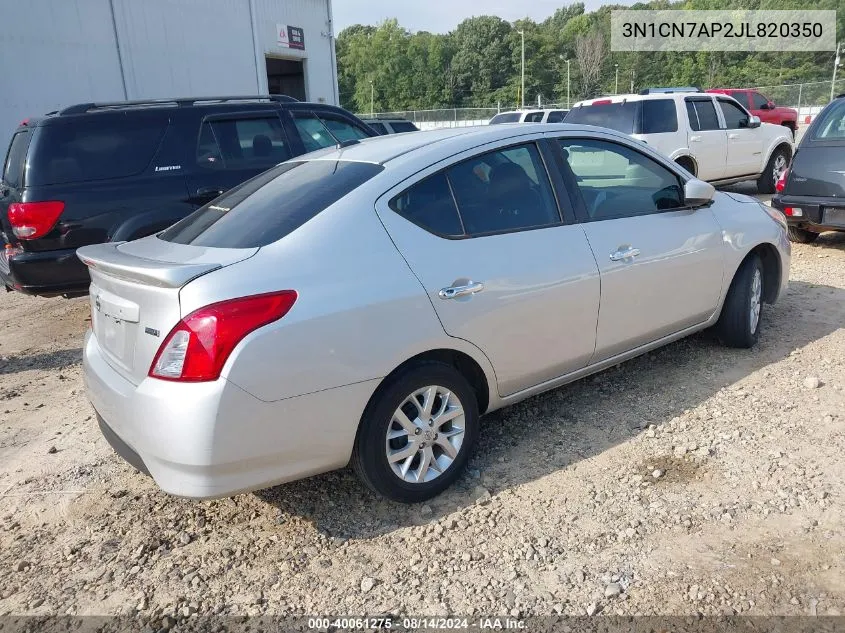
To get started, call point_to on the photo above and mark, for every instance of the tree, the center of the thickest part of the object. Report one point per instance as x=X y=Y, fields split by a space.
x=589 y=51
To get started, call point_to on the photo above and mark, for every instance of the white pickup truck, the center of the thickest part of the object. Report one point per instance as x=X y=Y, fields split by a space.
x=710 y=135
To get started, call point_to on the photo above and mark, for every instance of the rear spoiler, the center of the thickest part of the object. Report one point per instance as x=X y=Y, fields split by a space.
x=107 y=259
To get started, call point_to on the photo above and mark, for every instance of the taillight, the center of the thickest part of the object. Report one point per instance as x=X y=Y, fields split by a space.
x=198 y=347
x=31 y=220
x=780 y=185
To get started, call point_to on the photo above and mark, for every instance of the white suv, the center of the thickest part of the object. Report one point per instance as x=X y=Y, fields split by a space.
x=710 y=135
x=549 y=115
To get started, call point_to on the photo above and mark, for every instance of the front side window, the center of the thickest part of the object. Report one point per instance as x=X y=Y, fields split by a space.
x=404 y=126
x=271 y=205
x=735 y=117
x=313 y=133
x=758 y=101
x=341 y=129
x=505 y=117
x=495 y=192
x=616 y=181
x=378 y=128
x=242 y=143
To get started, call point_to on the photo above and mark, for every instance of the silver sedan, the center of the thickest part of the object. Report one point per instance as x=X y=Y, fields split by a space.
x=365 y=304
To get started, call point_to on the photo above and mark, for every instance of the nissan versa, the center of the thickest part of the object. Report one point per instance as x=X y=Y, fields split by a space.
x=368 y=302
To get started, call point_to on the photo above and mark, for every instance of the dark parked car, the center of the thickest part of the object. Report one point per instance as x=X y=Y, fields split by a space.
x=108 y=172
x=811 y=193
x=392 y=126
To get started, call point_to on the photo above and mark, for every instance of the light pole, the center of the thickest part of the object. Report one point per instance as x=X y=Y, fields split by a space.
x=567 y=80
x=372 y=96
x=616 y=89
x=633 y=76
x=835 y=66
x=522 y=33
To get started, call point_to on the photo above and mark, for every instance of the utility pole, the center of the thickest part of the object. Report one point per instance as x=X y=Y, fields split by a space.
x=372 y=96
x=567 y=80
x=616 y=89
x=522 y=97
x=835 y=66
x=633 y=76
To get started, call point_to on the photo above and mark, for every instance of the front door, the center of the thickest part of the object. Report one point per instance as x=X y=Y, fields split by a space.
x=706 y=139
x=745 y=145
x=503 y=271
x=660 y=263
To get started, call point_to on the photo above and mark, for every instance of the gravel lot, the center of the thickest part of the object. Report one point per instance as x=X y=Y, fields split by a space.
x=695 y=479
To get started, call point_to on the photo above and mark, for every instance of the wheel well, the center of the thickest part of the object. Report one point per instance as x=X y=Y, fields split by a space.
x=768 y=255
x=688 y=163
x=788 y=152
x=790 y=124
x=464 y=363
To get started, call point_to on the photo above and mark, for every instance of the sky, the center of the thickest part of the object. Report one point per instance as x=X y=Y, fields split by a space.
x=441 y=16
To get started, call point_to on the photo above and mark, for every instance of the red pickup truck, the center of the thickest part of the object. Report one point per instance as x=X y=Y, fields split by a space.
x=763 y=107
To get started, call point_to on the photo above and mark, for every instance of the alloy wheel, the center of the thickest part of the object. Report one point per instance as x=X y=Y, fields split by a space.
x=756 y=297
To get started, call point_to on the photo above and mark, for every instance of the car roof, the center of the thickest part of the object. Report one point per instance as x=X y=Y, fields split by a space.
x=383 y=149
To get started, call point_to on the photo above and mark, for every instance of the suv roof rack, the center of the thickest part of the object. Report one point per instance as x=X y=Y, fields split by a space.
x=651 y=91
x=81 y=108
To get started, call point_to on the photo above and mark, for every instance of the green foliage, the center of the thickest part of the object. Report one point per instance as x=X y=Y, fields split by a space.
x=479 y=63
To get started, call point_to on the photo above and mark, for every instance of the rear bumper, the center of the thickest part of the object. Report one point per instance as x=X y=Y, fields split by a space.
x=817 y=213
x=209 y=440
x=46 y=273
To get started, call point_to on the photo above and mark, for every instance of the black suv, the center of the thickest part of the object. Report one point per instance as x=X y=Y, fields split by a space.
x=109 y=172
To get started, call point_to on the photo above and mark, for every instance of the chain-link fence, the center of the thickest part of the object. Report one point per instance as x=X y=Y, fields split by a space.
x=808 y=98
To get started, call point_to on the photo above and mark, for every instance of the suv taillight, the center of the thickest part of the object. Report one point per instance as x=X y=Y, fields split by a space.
x=31 y=220
x=780 y=185
x=198 y=347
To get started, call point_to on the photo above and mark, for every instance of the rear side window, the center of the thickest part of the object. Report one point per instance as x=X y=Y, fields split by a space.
x=507 y=117
x=659 y=116
x=830 y=126
x=242 y=143
x=13 y=167
x=702 y=115
x=271 y=205
x=534 y=117
x=403 y=126
x=556 y=116
x=504 y=190
x=96 y=148
x=616 y=116
x=378 y=128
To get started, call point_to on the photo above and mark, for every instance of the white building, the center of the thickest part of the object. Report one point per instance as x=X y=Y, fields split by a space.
x=54 y=53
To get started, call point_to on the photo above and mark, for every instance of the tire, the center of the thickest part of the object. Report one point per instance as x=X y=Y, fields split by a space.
x=687 y=164
x=778 y=161
x=801 y=236
x=406 y=391
x=736 y=326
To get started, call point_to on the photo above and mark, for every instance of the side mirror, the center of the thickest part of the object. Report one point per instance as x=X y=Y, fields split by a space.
x=698 y=193
x=770 y=105
x=753 y=122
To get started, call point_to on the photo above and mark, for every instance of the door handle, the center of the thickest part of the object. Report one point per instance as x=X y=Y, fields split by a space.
x=453 y=292
x=624 y=252
x=733 y=137
x=694 y=139
x=209 y=192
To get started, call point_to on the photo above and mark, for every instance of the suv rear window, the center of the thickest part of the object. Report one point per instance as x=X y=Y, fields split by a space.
x=16 y=159
x=616 y=116
x=94 y=149
x=271 y=205
x=831 y=125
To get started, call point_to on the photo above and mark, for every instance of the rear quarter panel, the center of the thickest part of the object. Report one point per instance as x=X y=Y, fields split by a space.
x=359 y=315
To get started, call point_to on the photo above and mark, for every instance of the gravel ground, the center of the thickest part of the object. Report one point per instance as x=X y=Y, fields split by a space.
x=695 y=479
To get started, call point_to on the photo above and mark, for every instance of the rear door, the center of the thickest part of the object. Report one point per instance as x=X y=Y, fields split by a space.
x=660 y=263
x=707 y=139
x=232 y=148
x=745 y=145
x=485 y=238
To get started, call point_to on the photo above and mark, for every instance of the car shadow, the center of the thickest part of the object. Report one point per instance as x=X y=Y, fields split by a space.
x=43 y=360
x=555 y=430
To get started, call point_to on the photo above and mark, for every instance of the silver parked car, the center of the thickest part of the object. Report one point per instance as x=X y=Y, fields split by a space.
x=367 y=303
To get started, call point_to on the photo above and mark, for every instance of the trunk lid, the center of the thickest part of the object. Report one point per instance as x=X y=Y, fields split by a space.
x=134 y=294
x=818 y=169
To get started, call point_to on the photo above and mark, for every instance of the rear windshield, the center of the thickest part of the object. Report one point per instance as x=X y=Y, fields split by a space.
x=616 y=116
x=16 y=159
x=508 y=117
x=271 y=205
x=831 y=124
x=97 y=148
